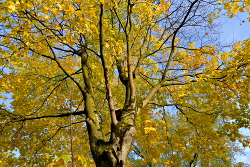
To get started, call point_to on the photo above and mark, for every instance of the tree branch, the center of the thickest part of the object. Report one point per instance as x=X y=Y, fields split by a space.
x=52 y=116
x=173 y=40
x=64 y=71
x=105 y=70
x=129 y=59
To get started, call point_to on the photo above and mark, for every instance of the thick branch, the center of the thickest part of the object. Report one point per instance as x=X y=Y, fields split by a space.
x=85 y=72
x=122 y=74
x=129 y=61
x=105 y=69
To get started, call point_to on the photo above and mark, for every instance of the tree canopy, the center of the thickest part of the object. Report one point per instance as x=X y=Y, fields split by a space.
x=120 y=82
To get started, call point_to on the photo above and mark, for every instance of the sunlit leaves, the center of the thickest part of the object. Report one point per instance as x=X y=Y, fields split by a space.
x=234 y=7
x=201 y=99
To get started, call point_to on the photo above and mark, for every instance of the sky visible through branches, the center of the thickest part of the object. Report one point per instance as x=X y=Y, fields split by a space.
x=232 y=30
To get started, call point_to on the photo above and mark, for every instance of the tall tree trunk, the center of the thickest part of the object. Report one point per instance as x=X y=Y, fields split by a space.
x=114 y=153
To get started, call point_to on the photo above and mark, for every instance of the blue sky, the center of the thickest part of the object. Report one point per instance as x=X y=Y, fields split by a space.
x=234 y=29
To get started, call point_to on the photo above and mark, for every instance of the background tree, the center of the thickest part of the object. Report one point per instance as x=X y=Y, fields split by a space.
x=71 y=66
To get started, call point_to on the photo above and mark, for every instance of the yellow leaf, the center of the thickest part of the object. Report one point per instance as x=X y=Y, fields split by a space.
x=148 y=121
x=241 y=10
x=149 y=129
x=46 y=17
x=167 y=6
x=47 y=156
x=230 y=15
x=12 y=7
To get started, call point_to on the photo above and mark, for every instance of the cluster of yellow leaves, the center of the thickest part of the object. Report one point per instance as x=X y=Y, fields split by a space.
x=234 y=7
x=227 y=77
x=66 y=161
x=172 y=141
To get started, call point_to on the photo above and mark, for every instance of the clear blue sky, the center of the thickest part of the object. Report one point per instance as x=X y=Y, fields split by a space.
x=234 y=29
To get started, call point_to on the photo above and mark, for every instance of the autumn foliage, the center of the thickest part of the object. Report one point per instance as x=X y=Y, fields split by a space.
x=120 y=82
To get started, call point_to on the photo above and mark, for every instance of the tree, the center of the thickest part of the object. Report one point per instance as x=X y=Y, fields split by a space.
x=72 y=67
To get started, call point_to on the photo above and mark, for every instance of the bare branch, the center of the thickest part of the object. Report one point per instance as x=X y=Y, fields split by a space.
x=173 y=40
x=50 y=116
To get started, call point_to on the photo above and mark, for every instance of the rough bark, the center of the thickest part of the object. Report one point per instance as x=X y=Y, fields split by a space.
x=114 y=153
